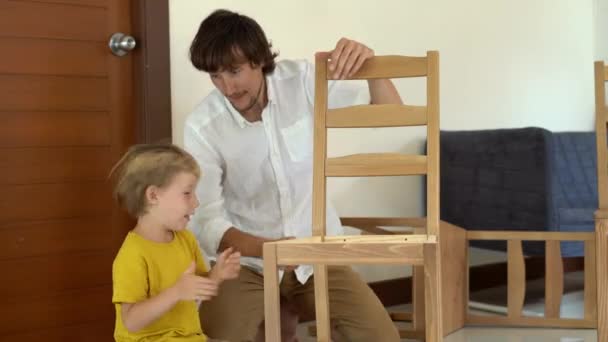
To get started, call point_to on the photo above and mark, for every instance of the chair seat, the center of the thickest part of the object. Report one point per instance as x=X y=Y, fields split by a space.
x=363 y=239
x=356 y=249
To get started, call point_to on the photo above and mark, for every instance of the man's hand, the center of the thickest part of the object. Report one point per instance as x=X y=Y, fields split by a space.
x=193 y=287
x=347 y=58
x=227 y=266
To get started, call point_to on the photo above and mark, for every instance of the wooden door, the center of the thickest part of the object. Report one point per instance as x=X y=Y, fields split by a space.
x=66 y=115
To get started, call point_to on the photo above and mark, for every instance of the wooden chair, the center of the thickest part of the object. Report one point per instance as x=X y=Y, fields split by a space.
x=601 y=215
x=422 y=250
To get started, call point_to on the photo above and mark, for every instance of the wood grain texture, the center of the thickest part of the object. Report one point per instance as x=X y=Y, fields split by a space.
x=36 y=19
x=52 y=128
x=53 y=93
x=53 y=57
x=528 y=236
x=601 y=229
x=554 y=279
x=20 y=166
x=590 y=285
x=376 y=164
x=385 y=115
x=516 y=287
x=390 y=67
x=272 y=303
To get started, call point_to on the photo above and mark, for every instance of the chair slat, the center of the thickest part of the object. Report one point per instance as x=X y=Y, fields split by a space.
x=271 y=293
x=601 y=118
x=321 y=302
x=375 y=164
x=532 y=322
x=554 y=279
x=590 y=291
x=516 y=279
x=387 y=115
x=348 y=253
x=389 y=67
x=504 y=234
x=384 y=221
x=601 y=255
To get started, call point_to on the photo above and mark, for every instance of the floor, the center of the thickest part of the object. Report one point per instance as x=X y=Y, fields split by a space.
x=572 y=307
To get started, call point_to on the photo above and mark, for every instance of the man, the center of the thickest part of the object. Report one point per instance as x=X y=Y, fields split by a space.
x=253 y=139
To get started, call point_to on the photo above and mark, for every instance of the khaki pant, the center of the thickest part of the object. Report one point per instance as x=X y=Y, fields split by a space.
x=355 y=311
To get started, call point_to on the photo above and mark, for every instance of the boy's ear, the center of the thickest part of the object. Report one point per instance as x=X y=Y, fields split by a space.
x=152 y=192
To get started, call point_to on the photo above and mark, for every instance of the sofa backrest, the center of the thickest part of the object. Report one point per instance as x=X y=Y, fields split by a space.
x=517 y=179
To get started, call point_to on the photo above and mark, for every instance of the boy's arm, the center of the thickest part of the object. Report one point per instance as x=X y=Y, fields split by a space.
x=136 y=316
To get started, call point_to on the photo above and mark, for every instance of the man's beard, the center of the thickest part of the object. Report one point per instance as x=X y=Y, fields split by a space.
x=254 y=100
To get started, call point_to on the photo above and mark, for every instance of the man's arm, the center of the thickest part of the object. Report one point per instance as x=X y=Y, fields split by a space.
x=246 y=243
x=383 y=91
x=249 y=245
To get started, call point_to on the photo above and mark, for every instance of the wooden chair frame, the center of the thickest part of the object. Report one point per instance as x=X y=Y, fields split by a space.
x=320 y=250
x=447 y=257
x=455 y=291
x=601 y=215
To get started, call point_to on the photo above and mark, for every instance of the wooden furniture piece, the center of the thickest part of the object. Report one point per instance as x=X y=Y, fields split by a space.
x=440 y=289
x=320 y=250
x=595 y=256
x=601 y=215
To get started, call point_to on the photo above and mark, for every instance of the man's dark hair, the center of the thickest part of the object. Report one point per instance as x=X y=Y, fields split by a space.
x=226 y=38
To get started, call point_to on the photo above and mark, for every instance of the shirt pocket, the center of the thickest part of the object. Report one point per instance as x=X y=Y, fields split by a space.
x=298 y=139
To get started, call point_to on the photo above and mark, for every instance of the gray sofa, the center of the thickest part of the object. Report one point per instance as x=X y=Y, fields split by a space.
x=519 y=179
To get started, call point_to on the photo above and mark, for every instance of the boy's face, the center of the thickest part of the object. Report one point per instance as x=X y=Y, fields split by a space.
x=241 y=84
x=177 y=201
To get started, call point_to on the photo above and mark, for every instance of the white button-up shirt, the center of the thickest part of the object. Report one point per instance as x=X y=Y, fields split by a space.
x=257 y=177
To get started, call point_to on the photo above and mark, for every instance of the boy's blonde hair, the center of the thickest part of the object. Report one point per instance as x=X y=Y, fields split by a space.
x=148 y=165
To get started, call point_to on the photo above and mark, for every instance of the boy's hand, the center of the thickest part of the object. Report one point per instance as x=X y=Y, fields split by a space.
x=193 y=287
x=227 y=266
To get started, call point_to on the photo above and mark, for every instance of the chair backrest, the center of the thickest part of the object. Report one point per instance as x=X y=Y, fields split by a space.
x=386 y=115
x=601 y=119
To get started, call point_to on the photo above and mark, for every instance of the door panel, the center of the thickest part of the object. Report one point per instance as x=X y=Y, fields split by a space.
x=42 y=238
x=53 y=93
x=30 y=19
x=54 y=165
x=52 y=128
x=92 y=270
x=66 y=116
x=52 y=57
x=90 y=332
x=54 y=201
x=42 y=312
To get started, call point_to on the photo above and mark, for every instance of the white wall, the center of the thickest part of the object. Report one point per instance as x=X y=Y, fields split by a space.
x=504 y=63
x=601 y=29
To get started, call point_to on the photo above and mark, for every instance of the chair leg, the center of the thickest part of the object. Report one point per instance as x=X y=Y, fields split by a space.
x=272 y=302
x=322 y=303
x=418 y=294
x=418 y=298
x=432 y=294
x=601 y=240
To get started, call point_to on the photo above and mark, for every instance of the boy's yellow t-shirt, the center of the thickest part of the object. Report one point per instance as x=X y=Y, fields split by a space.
x=141 y=270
